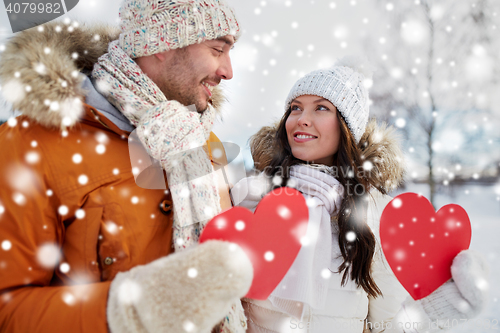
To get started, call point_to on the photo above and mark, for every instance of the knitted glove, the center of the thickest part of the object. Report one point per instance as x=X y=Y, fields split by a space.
x=462 y=297
x=189 y=291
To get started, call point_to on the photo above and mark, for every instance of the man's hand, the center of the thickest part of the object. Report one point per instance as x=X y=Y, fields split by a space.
x=185 y=292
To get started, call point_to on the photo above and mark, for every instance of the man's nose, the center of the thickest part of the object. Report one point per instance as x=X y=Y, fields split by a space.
x=225 y=70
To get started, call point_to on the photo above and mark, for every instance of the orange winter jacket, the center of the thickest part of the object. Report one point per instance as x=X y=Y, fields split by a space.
x=71 y=218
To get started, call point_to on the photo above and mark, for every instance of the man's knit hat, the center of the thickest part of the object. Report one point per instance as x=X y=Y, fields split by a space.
x=344 y=86
x=153 y=26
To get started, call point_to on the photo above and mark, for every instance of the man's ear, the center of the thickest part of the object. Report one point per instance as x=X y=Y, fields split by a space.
x=161 y=56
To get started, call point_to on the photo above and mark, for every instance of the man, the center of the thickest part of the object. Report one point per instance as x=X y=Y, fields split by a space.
x=83 y=248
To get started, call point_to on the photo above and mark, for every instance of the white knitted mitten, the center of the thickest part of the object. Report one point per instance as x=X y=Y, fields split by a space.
x=462 y=297
x=189 y=291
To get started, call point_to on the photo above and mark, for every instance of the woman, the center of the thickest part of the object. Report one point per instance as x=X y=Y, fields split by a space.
x=339 y=281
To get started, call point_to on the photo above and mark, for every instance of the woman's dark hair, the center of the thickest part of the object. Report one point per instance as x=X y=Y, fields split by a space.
x=357 y=254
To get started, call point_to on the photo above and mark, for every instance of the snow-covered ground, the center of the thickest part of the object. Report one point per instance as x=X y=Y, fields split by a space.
x=483 y=207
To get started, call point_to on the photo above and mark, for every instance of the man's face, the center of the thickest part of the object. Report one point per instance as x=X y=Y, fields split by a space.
x=190 y=73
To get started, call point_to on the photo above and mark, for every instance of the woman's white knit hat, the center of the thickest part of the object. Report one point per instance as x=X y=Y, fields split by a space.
x=153 y=26
x=344 y=86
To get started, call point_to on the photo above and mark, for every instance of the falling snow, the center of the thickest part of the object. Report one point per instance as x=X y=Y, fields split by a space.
x=6 y=245
x=269 y=256
x=48 y=255
x=192 y=273
x=284 y=212
x=239 y=225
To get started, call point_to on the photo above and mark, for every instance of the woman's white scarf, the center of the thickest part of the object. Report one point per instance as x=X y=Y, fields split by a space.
x=307 y=279
x=309 y=276
x=170 y=133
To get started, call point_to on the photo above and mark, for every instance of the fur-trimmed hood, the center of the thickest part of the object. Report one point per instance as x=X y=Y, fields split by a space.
x=379 y=144
x=42 y=70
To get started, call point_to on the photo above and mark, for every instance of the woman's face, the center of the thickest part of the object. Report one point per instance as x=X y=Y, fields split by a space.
x=313 y=129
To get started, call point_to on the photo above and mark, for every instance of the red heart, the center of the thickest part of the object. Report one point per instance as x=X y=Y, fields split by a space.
x=270 y=237
x=420 y=244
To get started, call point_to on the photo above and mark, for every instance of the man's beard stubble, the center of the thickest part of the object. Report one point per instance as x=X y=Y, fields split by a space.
x=179 y=82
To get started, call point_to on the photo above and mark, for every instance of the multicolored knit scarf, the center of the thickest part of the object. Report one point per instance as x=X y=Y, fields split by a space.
x=170 y=133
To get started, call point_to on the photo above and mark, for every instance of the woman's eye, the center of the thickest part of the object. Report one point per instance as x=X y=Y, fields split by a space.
x=295 y=108
x=323 y=108
x=220 y=51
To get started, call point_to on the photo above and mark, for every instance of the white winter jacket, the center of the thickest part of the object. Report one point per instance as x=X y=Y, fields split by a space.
x=348 y=308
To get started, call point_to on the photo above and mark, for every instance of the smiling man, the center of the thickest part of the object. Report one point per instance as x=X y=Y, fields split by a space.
x=189 y=74
x=84 y=249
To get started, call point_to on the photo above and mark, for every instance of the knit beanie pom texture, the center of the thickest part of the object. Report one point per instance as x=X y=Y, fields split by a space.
x=153 y=26
x=344 y=86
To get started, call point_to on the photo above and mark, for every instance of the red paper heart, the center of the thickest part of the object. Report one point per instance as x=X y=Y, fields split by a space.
x=270 y=237
x=420 y=244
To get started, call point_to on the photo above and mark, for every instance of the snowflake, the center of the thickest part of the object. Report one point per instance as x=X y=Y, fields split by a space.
x=129 y=292
x=69 y=298
x=32 y=157
x=111 y=227
x=269 y=256
x=284 y=212
x=192 y=273
x=40 y=68
x=397 y=203
x=63 y=210
x=209 y=211
x=188 y=326
x=77 y=158
x=401 y=122
x=19 y=198
x=13 y=91
x=83 y=179
x=326 y=273
x=48 y=255
x=367 y=165
x=277 y=180
x=220 y=223
x=399 y=255
x=305 y=241
x=100 y=149
x=64 y=267
x=6 y=245
x=350 y=236
x=80 y=214
x=239 y=225
x=217 y=153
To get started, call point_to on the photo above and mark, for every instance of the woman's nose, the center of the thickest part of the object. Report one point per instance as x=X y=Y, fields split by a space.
x=304 y=120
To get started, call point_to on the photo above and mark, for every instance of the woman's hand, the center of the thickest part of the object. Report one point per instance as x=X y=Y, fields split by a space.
x=464 y=296
x=456 y=301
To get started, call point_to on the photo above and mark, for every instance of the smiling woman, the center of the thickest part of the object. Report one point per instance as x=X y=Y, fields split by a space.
x=313 y=130
x=339 y=282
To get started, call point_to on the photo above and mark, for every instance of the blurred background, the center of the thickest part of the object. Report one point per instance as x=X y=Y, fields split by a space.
x=436 y=79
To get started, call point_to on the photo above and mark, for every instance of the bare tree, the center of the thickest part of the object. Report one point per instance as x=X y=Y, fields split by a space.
x=437 y=71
